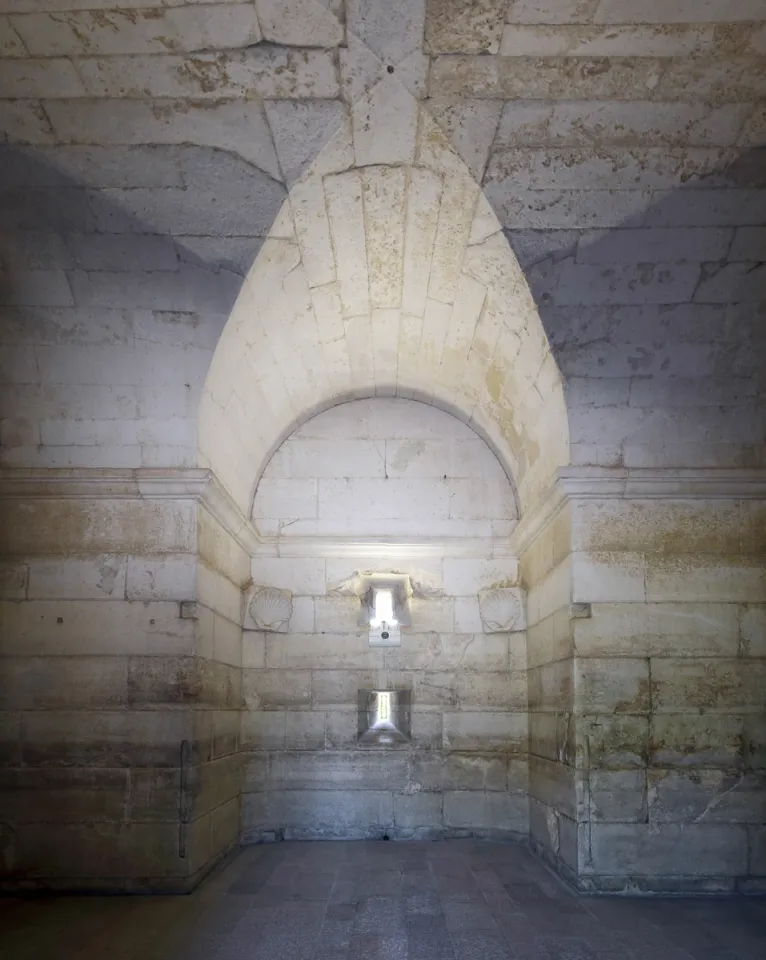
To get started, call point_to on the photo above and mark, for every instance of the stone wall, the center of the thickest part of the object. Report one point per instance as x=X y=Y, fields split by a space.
x=119 y=707
x=546 y=572
x=344 y=482
x=670 y=673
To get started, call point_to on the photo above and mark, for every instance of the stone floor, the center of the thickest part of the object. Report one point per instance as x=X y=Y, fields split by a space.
x=458 y=900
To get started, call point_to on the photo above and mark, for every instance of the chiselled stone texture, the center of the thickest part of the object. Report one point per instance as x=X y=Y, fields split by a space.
x=120 y=717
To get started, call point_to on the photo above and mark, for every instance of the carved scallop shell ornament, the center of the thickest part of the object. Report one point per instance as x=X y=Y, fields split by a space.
x=501 y=610
x=271 y=609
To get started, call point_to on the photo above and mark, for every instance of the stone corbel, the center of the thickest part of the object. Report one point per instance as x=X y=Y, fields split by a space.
x=269 y=609
x=501 y=610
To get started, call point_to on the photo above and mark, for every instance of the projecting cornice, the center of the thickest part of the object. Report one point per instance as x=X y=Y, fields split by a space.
x=145 y=483
x=635 y=483
x=574 y=483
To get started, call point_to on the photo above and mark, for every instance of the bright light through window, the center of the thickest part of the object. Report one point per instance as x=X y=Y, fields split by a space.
x=384 y=608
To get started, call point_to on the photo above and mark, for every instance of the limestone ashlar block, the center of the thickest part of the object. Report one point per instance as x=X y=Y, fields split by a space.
x=485 y=732
x=497 y=812
x=708 y=686
x=10 y=41
x=665 y=850
x=551 y=687
x=426 y=730
x=253 y=649
x=145 y=738
x=333 y=687
x=219 y=550
x=417 y=810
x=554 y=784
x=99 y=526
x=322 y=651
x=615 y=796
x=438 y=771
x=455 y=27
x=623 y=123
x=619 y=40
x=466 y=577
x=167 y=577
x=276 y=689
x=550 y=639
x=224 y=829
x=215 y=783
x=14 y=577
x=226 y=731
x=492 y=691
x=580 y=168
x=554 y=209
x=757 y=845
x=508 y=78
x=307 y=459
x=128 y=122
x=93 y=627
x=120 y=32
x=706 y=796
x=612 y=741
x=552 y=736
x=330 y=770
x=263 y=730
x=55 y=795
x=30 y=78
x=483 y=652
x=608 y=576
x=659 y=629
x=687 y=11
x=63 y=683
x=611 y=685
x=25 y=120
x=300 y=23
x=331 y=814
x=305 y=730
x=97 y=855
x=10 y=738
x=731 y=207
x=183 y=680
x=753 y=628
x=337 y=614
x=690 y=739
x=696 y=244
x=392 y=33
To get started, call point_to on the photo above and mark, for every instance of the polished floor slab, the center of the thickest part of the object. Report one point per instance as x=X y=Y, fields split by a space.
x=452 y=900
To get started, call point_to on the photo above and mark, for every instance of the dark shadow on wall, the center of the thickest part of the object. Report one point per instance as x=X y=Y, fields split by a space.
x=662 y=317
x=143 y=248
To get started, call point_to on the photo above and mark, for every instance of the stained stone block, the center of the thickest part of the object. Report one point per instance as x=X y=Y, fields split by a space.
x=488 y=811
x=456 y=27
x=657 y=850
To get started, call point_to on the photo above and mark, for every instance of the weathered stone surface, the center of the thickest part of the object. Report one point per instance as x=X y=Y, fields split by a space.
x=705 y=796
x=595 y=318
x=491 y=811
x=620 y=849
x=455 y=27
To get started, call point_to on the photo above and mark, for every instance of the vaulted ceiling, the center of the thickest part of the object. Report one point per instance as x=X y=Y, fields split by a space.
x=150 y=149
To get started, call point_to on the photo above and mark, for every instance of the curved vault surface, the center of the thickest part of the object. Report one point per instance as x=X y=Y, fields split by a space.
x=384 y=279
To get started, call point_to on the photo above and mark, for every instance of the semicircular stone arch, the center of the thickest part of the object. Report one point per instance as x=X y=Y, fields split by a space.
x=384 y=467
x=385 y=274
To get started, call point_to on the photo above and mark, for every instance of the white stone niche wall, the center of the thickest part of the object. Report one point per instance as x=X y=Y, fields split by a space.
x=384 y=467
x=385 y=485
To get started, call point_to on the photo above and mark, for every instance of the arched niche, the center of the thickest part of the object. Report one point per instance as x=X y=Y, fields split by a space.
x=384 y=279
